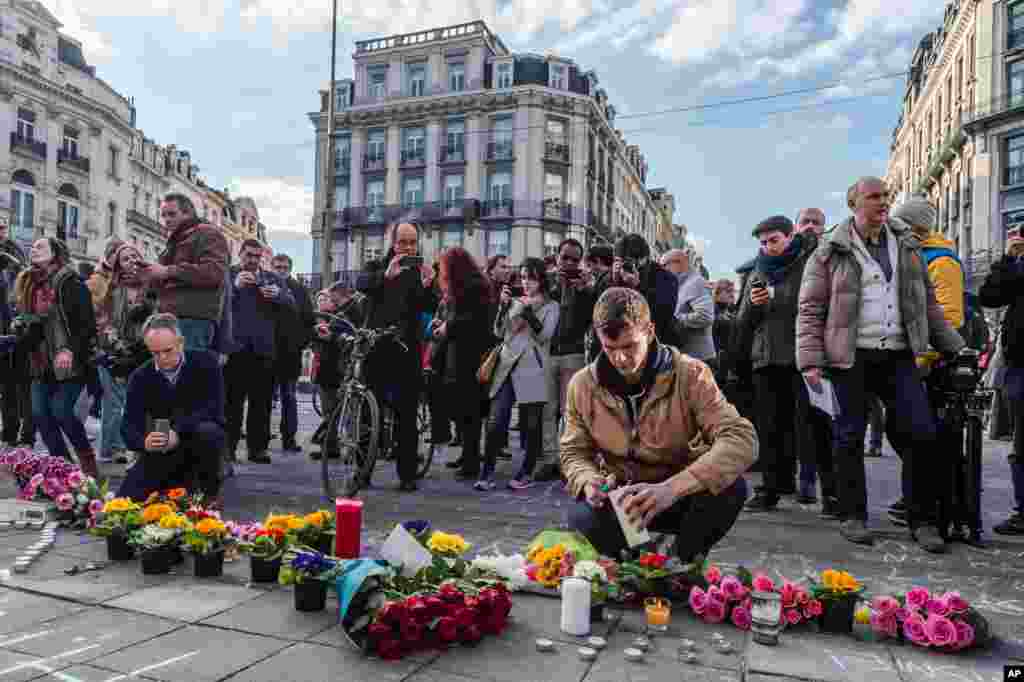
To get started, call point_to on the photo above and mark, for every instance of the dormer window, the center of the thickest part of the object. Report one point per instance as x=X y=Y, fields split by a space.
x=556 y=77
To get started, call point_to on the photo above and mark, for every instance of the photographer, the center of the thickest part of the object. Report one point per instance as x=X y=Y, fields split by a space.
x=60 y=346
x=14 y=381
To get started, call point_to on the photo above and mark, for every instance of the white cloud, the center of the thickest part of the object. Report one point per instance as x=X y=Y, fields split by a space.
x=97 y=47
x=283 y=203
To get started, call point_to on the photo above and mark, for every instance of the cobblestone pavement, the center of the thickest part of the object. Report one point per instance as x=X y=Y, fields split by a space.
x=116 y=624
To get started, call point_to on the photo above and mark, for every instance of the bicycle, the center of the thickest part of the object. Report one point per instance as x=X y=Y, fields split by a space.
x=962 y=402
x=359 y=427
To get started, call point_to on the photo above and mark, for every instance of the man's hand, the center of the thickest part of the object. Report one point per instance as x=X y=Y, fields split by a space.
x=153 y=272
x=629 y=279
x=270 y=291
x=644 y=501
x=759 y=296
x=426 y=275
x=595 y=497
x=173 y=440
x=394 y=267
x=245 y=279
x=506 y=294
x=441 y=330
x=156 y=441
x=813 y=377
x=63 y=360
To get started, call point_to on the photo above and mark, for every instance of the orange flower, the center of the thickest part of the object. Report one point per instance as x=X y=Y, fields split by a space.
x=176 y=493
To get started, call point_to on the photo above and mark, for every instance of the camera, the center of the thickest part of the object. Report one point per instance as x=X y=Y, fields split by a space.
x=411 y=261
x=629 y=265
x=25 y=325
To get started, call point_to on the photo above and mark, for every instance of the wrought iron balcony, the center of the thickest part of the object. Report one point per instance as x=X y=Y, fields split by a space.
x=374 y=163
x=453 y=154
x=453 y=207
x=556 y=151
x=414 y=157
x=69 y=160
x=500 y=151
x=144 y=221
x=29 y=144
x=343 y=165
x=446 y=211
x=499 y=208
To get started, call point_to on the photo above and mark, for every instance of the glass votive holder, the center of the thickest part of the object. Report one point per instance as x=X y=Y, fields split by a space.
x=766 y=617
x=642 y=643
x=634 y=655
x=687 y=656
x=724 y=646
x=659 y=612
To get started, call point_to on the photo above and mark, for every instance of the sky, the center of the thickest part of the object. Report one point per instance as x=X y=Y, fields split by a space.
x=233 y=83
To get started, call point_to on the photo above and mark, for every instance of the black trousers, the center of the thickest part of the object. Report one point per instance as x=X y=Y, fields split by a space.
x=396 y=379
x=17 y=410
x=699 y=522
x=778 y=391
x=249 y=376
x=814 y=442
x=194 y=464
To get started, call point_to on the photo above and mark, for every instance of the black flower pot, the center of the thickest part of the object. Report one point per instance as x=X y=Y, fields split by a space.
x=156 y=561
x=311 y=595
x=209 y=565
x=118 y=548
x=325 y=545
x=264 y=570
x=837 y=615
x=177 y=556
x=597 y=613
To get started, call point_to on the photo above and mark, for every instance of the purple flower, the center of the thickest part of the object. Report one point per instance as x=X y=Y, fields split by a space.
x=937 y=607
x=741 y=618
x=715 y=595
x=95 y=507
x=36 y=481
x=884 y=623
x=732 y=588
x=76 y=479
x=698 y=600
x=913 y=629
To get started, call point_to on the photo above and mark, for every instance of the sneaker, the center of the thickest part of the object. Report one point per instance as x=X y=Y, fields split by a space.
x=1011 y=526
x=521 y=482
x=928 y=538
x=762 y=502
x=873 y=452
x=484 y=485
x=454 y=464
x=292 y=446
x=897 y=513
x=857 y=532
x=830 y=508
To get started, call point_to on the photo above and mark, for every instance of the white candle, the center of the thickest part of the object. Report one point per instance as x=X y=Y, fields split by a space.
x=576 y=606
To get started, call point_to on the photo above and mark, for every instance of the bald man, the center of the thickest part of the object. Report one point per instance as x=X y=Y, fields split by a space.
x=695 y=311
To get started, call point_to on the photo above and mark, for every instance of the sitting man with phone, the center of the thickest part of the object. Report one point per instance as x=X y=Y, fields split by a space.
x=649 y=418
x=173 y=416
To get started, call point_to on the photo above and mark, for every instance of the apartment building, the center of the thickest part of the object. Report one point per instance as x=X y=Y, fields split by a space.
x=495 y=151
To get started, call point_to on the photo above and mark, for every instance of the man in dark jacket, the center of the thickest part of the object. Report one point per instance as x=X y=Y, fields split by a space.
x=294 y=331
x=767 y=335
x=185 y=388
x=189 y=276
x=257 y=296
x=17 y=399
x=398 y=291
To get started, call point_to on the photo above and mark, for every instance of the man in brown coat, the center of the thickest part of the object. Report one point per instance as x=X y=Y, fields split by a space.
x=684 y=454
x=867 y=307
x=190 y=275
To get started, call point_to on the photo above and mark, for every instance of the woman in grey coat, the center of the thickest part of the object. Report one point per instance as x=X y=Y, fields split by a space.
x=525 y=326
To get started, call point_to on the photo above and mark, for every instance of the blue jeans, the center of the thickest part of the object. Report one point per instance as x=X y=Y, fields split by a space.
x=53 y=409
x=911 y=428
x=289 y=410
x=114 y=391
x=198 y=333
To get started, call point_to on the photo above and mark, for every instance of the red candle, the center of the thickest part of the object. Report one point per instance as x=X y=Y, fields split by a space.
x=349 y=524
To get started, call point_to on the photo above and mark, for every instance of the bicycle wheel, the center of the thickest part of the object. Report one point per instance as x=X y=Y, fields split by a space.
x=425 y=446
x=353 y=431
x=316 y=402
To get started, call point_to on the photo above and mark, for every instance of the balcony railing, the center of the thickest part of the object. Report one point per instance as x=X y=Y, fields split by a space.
x=500 y=151
x=1014 y=175
x=556 y=151
x=69 y=160
x=453 y=207
x=445 y=211
x=79 y=245
x=453 y=154
x=374 y=163
x=414 y=157
x=28 y=144
x=343 y=165
x=555 y=209
x=1015 y=39
x=498 y=208
x=1010 y=102
x=144 y=221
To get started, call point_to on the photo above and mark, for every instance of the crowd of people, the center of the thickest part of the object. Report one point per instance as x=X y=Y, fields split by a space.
x=632 y=375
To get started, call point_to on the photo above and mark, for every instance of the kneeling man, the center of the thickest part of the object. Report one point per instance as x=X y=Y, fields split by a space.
x=649 y=417
x=186 y=389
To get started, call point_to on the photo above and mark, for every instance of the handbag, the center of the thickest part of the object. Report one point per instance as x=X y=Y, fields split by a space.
x=490 y=363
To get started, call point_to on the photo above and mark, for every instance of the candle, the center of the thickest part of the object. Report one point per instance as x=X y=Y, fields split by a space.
x=349 y=528
x=658 y=613
x=576 y=606
x=766 y=617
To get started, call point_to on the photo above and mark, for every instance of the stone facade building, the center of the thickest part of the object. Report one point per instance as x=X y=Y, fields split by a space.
x=488 y=149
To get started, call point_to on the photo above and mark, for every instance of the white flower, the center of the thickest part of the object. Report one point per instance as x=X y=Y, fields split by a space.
x=82 y=499
x=510 y=568
x=591 y=571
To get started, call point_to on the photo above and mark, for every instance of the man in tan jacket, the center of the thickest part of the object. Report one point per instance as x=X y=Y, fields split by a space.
x=647 y=416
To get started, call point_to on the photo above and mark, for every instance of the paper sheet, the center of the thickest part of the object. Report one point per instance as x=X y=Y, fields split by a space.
x=824 y=397
x=635 y=536
x=402 y=549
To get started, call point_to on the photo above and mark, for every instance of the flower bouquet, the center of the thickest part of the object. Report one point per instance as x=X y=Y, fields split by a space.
x=118 y=518
x=725 y=599
x=314 y=530
x=159 y=544
x=310 y=572
x=944 y=623
x=838 y=592
x=547 y=566
x=208 y=539
x=54 y=480
x=265 y=547
x=658 y=575
x=604 y=585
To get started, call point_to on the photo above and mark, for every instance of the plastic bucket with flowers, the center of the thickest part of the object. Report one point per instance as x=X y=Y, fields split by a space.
x=838 y=592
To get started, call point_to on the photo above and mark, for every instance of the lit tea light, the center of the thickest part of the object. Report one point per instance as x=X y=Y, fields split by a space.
x=688 y=657
x=634 y=655
x=659 y=611
x=545 y=645
x=597 y=643
x=586 y=653
x=642 y=643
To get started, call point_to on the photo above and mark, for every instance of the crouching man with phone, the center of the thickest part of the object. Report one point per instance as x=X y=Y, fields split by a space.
x=173 y=416
x=645 y=416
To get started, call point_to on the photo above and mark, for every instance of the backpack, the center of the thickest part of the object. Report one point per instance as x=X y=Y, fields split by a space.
x=975 y=330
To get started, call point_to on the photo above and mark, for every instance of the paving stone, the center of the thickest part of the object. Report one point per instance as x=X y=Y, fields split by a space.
x=755 y=677
x=19 y=611
x=274 y=614
x=89 y=551
x=82 y=673
x=430 y=674
x=683 y=625
x=831 y=658
x=193 y=654
x=15 y=667
x=115 y=580
x=921 y=665
x=612 y=666
x=188 y=600
x=315 y=663
x=91 y=634
x=542 y=617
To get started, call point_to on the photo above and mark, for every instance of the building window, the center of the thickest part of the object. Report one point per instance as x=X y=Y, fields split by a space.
x=67 y=212
x=111 y=219
x=414 y=145
x=503 y=75
x=69 y=145
x=1014 y=160
x=556 y=131
x=412 y=192
x=502 y=135
x=26 y=124
x=1015 y=83
x=500 y=188
x=114 y=157
x=457 y=76
x=451 y=237
x=499 y=242
x=378 y=83
x=417 y=79
x=556 y=78
x=551 y=242
x=373 y=247
x=376 y=145
x=554 y=194
x=342 y=155
x=341 y=96
x=375 y=200
x=341 y=197
x=23 y=206
x=454 y=192
x=455 y=142
x=1015 y=26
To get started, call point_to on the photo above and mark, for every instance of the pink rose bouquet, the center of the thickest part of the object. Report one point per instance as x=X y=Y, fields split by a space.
x=941 y=622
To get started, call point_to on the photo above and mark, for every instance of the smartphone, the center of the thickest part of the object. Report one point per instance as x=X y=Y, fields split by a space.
x=162 y=426
x=572 y=273
x=411 y=261
x=517 y=292
x=629 y=265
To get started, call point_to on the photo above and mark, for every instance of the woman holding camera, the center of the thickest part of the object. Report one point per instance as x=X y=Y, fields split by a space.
x=526 y=325
x=60 y=343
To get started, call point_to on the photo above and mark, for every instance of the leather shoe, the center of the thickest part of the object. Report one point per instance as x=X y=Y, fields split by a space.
x=857 y=532
x=292 y=446
x=762 y=502
x=928 y=538
x=454 y=464
x=259 y=457
x=408 y=487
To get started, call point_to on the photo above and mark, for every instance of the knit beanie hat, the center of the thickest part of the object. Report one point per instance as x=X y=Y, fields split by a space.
x=916 y=212
x=777 y=223
x=109 y=251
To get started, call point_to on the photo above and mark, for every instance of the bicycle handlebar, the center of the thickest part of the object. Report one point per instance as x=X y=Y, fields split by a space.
x=372 y=335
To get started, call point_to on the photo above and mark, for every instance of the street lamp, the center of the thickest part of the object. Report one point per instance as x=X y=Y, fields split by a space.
x=327 y=225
